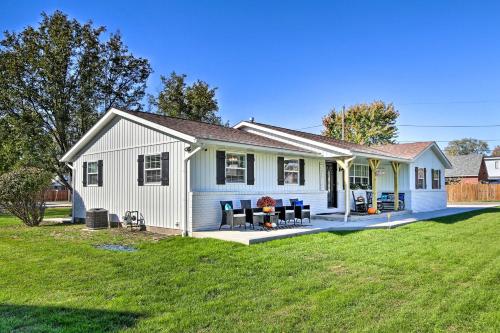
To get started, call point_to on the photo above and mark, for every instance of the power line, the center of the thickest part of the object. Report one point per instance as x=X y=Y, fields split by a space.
x=491 y=140
x=411 y=125
x=416 y=125
x=451 y=102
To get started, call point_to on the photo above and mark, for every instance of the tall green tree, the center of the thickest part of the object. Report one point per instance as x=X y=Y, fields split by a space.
x=467 y=146
x=60 y=77
x=368 y=124
x=195 y=102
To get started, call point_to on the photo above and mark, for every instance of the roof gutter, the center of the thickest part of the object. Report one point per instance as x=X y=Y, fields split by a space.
x=258 y=148
x=73 y=170
x=383 y=157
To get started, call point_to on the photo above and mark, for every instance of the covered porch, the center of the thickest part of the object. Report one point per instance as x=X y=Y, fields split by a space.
x=358 y=181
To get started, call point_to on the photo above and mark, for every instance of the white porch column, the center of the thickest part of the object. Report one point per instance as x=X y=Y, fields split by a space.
x=345 y=165
x=374 y=164
x=395 y=168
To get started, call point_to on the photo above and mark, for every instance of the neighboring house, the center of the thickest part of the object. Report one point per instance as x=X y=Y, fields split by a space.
x=469 y=169
x=493 y=167
x=176 y=171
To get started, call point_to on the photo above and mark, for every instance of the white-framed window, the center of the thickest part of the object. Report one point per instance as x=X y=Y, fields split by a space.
x=359 y=174
x=420 y=178
x=92 y=173
x=236 y=167
x=497 y=164
x=291 y=171
x=152 y=169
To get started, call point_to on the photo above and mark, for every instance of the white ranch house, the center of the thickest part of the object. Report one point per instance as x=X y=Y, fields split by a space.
x=175 y=172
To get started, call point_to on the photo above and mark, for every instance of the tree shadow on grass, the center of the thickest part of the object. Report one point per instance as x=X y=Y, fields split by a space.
x=32 y=318
x=344 y=232
x=451 y=219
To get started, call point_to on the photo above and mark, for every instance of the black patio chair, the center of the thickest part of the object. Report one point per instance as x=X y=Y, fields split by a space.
x=232 y=217
x=302 y=212
x=285 y=214
x=254 y=216
x=246 y=204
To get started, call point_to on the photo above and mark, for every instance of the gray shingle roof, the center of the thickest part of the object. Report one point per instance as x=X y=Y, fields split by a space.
x=354 y=147
x=464 y=165
x=207 y=131
x=406 y=150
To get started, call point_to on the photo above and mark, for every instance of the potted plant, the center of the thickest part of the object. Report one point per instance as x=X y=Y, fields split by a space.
x=267 y=204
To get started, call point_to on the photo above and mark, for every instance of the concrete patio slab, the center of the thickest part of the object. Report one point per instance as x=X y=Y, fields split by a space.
x=248 y=236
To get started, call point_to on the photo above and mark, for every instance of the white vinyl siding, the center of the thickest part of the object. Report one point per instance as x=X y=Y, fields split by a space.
x=161 y=206
x=204 y=179
x=428 y=199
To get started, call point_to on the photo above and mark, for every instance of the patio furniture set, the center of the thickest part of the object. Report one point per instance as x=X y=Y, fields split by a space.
x=267 y=218
x=384 y=202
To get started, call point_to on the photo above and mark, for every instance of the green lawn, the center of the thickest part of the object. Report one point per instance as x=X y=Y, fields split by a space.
x=441 y=275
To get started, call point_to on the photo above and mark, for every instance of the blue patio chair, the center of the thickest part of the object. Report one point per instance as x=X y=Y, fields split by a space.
x=302 y=211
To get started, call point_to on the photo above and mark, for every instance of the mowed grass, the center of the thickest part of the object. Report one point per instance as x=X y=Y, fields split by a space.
x=440 y=275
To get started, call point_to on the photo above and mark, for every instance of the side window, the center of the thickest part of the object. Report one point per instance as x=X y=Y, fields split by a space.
x=420 y=178
x=152 y=169
x=291 y=171
x=235 y=168
x=436 y=181
x=92 y=173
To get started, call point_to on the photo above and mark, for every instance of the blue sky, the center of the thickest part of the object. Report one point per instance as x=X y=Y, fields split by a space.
x=288 y=63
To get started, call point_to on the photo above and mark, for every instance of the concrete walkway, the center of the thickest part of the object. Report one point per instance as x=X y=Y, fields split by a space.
x=248 y=237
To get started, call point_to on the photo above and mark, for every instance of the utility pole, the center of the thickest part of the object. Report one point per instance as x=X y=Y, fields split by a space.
x=343 y=115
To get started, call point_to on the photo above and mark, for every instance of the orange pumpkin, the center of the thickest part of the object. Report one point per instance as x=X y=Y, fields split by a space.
x=372 y=210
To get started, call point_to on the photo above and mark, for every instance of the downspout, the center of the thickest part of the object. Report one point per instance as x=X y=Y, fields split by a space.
x=187 y=175
x=73 y=191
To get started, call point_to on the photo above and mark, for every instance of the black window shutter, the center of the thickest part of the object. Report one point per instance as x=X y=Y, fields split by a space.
x=99 y=173
x=221 y=167
x=281 y=171
x=140 y=170
x=302 y=166
x=425 y=178
x=416 y=177
x=370 y=180
x=250 y=169
x=434 y=183
x=84 y=180
x=439 y=172
x=165 y=156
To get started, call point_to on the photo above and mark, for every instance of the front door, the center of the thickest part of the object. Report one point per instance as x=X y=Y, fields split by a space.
x=331 y=183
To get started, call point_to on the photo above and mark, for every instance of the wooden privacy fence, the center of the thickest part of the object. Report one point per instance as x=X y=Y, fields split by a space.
x=57 y=195
x=473 y=192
